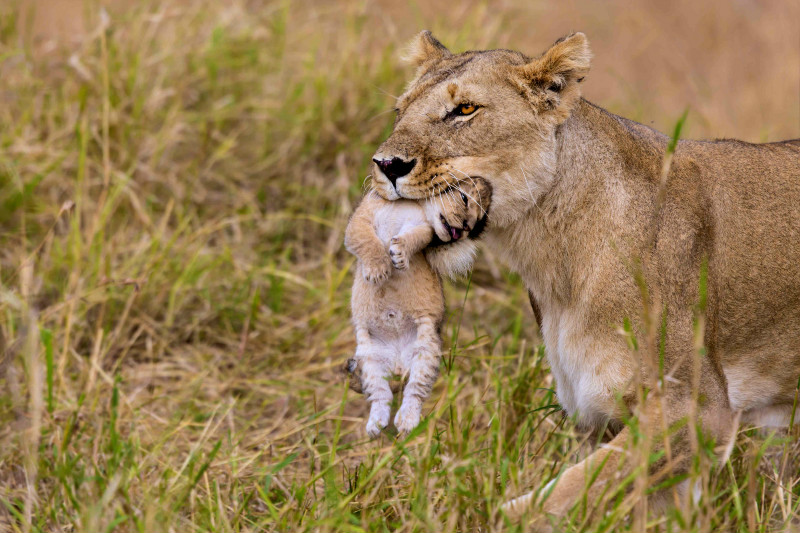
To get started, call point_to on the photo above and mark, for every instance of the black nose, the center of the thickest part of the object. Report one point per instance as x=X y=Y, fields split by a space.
x=395 y=168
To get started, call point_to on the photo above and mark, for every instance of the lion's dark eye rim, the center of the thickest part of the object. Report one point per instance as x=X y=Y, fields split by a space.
x=464 y=110
x=555 y=87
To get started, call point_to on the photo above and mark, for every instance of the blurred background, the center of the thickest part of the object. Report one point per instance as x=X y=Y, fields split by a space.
x=735 y=64
x=175 y=179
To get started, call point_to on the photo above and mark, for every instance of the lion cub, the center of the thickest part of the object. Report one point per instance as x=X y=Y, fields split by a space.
x=397 y=301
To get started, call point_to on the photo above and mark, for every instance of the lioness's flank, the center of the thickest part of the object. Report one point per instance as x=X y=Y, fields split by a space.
x=397 y=311
x=578 y=202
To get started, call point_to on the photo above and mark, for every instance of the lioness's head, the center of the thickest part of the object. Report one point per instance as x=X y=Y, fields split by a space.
x=491 y=114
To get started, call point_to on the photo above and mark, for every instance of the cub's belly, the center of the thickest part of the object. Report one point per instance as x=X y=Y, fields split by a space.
x=392 y=325
x=394 y=335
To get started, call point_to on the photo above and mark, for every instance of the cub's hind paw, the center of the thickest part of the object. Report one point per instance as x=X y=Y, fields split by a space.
x=407 y=418
x=352 y=373
x=378 y=419
x=398 y=253
x=378 y=271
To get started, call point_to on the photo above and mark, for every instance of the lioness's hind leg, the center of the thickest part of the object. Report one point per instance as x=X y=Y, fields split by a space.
x=423 y=371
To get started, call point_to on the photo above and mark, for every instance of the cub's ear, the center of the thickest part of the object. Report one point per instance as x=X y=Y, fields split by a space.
x=424 y=49
x=551 y=81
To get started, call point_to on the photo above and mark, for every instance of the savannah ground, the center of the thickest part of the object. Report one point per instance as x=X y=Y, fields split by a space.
x=175 y=179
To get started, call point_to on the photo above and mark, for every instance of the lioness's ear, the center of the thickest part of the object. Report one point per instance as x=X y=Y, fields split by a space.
x=550 y=81
x=425 y=49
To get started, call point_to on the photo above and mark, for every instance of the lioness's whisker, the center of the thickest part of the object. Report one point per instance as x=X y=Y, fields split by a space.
x=528 y=185
x=474 y=185
x=478 y=202
x=451 y=198
x=468 y=177
x=465 y=193
x=439 y=195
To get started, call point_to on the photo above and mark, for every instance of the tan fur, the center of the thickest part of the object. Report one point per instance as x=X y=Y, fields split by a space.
x=577 y=202
x=397 y=302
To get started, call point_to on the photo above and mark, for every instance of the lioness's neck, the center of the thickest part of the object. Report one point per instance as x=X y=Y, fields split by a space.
x=595 y=145
x=606 y=172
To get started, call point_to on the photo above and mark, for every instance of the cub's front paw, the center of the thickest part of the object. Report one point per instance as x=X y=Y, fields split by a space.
x=378 y=419
x=377 y=270
x=407 y=417
x=398 y=251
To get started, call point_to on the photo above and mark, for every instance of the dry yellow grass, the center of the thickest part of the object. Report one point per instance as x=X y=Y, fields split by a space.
x=174 y=185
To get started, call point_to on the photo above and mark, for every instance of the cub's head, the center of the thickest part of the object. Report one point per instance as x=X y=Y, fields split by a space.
x=459 y=212
x=490 y=114
x=457 y=215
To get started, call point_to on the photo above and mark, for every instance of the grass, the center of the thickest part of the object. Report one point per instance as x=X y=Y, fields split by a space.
x=174 y=186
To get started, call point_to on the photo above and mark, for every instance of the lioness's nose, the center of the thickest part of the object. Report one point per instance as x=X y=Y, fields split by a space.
x=395 y=168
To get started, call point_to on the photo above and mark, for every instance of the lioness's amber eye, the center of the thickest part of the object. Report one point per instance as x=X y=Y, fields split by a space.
x=465 y=109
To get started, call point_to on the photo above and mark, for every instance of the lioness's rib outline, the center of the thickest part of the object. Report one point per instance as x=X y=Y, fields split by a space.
x=573 y=198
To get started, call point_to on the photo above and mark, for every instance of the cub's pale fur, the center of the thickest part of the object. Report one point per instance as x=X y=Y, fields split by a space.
x=397 y=302
x=578 y=201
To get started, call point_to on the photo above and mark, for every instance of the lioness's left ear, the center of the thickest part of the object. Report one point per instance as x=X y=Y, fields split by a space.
x=425 y=48
x=551 y=80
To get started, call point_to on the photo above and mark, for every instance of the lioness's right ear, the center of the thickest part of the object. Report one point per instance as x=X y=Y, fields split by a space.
x=551 y=81
x=424 y=49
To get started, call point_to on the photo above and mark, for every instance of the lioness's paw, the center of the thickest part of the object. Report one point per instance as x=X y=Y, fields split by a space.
x=398 y=251
x=378 y=419
x=377 y=271
x=407 y=418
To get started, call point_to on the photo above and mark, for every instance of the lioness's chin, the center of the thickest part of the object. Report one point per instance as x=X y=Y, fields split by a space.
x=385 y=191
x=414 y=192
x=452 y=259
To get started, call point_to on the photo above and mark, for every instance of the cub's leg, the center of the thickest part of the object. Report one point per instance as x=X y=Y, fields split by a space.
x=361 y=240
x=371 y=358
x=423 y=371
x=375 y=379
x=409 y=241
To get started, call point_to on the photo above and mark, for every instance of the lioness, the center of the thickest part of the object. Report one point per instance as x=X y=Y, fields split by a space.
x=578 y=201
x=397 y=312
